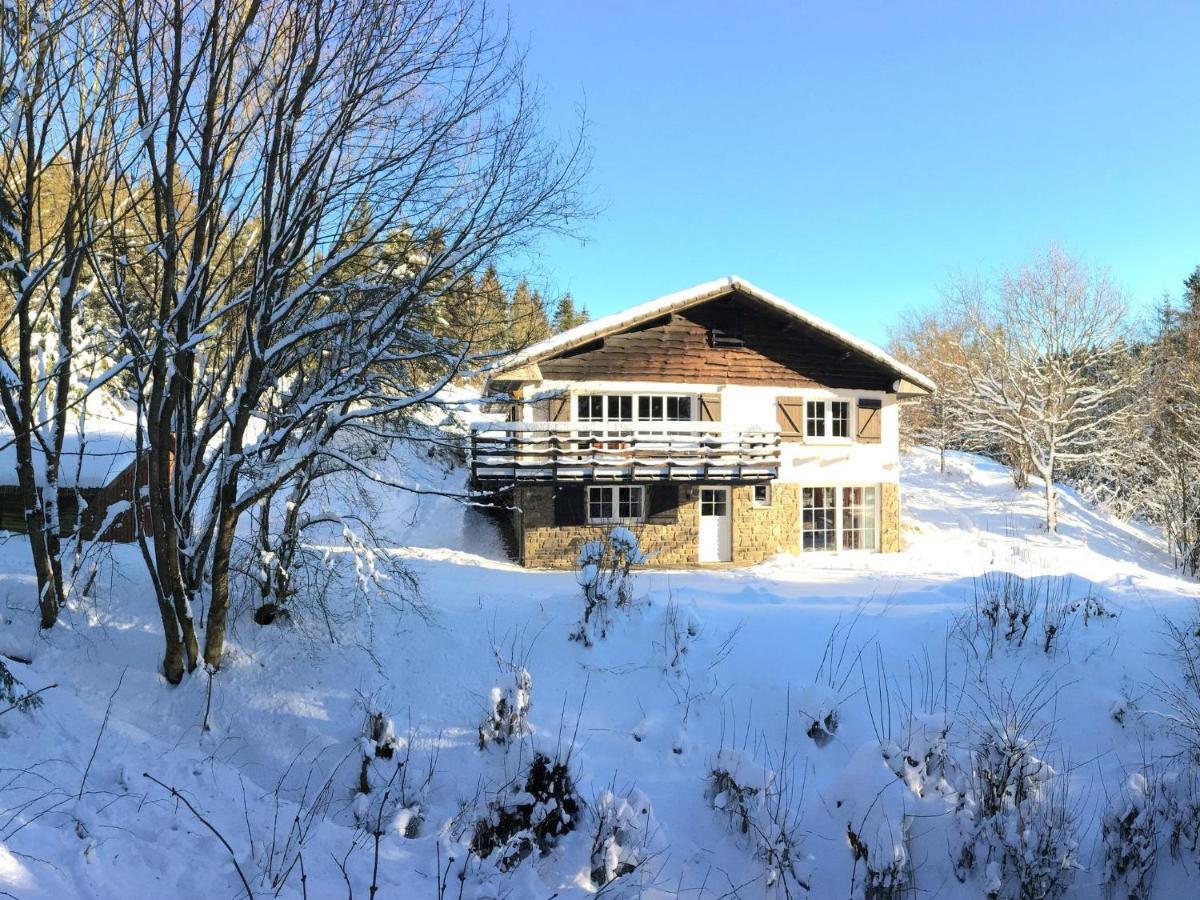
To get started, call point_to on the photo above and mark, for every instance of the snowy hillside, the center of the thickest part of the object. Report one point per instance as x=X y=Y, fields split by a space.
x=808 y=722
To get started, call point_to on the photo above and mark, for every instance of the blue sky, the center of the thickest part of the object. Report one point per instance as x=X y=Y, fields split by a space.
x=852 y=156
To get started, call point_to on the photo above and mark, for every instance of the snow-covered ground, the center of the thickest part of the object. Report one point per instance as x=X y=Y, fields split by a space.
x=282 y=756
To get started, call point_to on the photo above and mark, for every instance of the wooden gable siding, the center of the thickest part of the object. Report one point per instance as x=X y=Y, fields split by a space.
x=776 y=350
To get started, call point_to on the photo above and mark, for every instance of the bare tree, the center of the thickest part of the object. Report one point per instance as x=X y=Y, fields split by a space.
x=1048 y=366
x=1167 y=488
x=932 y=341
x=313 y=182
x=61 y=115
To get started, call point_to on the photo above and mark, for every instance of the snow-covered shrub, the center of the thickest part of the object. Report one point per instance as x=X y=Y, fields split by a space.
x=681 y=627
x=818 y=708
x=1004 y=607
x=1182 y=696
x=509 y=702
x=377 y=741
x=1179 y=799
x=920 y=756
x=604 y=569
x=623 y=830
x=762 y=804
x=1009 y=608
x=736 y=789
x=876 y=808
x=1018 y=826
x=818 y=704
x=532 y=813
x=1129 y=837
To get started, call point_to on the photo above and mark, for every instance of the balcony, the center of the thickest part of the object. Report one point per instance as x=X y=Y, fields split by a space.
x=571 y=451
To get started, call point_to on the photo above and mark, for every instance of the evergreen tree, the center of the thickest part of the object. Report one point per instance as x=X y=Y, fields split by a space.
x=566 y=316
x=528 y=322
x=1191 y=286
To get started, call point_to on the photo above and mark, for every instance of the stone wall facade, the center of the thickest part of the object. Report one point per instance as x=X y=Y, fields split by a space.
x=759 y=532
x=545 y=545
x=889 y=518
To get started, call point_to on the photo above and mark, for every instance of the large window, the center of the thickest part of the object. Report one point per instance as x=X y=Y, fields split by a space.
x=838 y=518
x=607 y=505
x=818 y=510
x=634 y=408
x=654 y=408
x=858 y=518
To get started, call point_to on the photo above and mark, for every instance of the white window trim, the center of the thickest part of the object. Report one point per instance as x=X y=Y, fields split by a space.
x=828 y=438
x=615 y=519
x=635 y=420
x=838 y=512
x=755 y=502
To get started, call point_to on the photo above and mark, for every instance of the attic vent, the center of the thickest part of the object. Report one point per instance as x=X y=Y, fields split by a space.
x=725 y=338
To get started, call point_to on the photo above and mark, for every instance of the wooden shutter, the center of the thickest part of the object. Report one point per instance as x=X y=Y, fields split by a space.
x=560 y=408
x=710 y=407
x=869 y=424
x=662 y=503
x=789 y=413
x=569 y=505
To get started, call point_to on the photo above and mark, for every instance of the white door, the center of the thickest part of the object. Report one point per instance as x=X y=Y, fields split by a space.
x=716 y=525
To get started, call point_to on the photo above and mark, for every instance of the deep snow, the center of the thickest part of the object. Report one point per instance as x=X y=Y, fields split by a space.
x=635 y=716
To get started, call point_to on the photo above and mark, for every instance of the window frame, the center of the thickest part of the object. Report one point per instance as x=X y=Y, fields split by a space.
x=845 y=518
x=822 y=421
x=764 y=503
x=814 y=426
x=617 y=496
x=605 y=400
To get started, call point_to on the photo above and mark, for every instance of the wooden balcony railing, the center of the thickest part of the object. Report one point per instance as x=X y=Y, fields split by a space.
x=564 y=451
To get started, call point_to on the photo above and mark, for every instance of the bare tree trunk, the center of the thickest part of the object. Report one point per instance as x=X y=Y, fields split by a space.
x=1051 y=507
x=218 y=610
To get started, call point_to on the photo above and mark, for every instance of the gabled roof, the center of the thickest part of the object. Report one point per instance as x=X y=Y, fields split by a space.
x=680 y=300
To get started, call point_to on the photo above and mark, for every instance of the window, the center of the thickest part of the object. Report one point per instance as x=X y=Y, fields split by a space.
x=591 y=408
x=714 y=502
x=762 y=495
x=814 y=415
x=838 y=518
x=839 y=419
x=827 y=418
x=818 y=511
x=858 y=518
x=620 y=408
x=650 y=409
x=679 y=409
x=623 y=407
x=615 y=504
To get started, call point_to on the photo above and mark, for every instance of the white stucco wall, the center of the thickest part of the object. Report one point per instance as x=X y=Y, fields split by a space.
x=812 y=461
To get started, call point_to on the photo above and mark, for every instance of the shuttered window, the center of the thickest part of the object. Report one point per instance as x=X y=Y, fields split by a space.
x=620 y=503
x=789 y=414
x=869 y=424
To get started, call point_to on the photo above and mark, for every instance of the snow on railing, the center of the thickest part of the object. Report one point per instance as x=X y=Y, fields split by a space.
x=548 y=451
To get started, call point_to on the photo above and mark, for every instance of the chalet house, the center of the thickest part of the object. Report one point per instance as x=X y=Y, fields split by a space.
x=98 y=481
x=721 y=424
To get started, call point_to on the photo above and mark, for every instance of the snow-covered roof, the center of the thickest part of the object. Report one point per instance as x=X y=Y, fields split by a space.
x=602 y=327
x=104 y=454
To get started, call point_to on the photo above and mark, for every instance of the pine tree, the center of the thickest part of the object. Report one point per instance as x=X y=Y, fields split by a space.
x=528 y=322
x=566 y=316
x=1191 y=286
